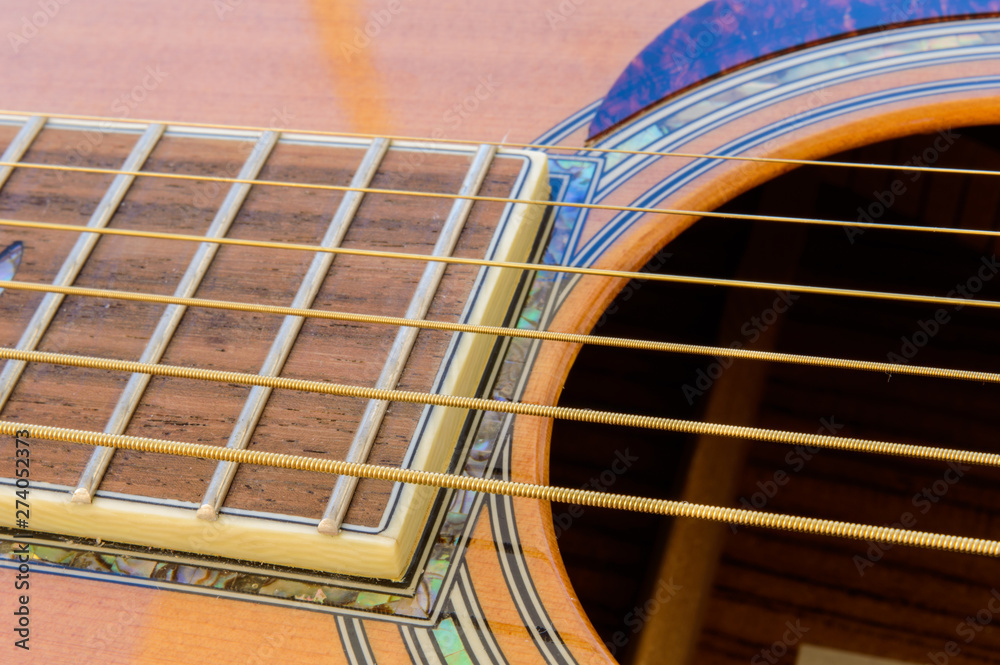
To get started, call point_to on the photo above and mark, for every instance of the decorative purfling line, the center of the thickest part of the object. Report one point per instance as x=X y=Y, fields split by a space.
x=96 y=467
x=224 y=473
x=77 y=257
x=22 y=141
x=420 y=303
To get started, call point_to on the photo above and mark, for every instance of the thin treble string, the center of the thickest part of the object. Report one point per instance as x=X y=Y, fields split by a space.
x=490 y=263
x=522 y=333
x=529 y=146
x=815 y=221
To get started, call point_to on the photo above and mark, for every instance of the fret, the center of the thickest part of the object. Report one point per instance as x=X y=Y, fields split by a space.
x=97 y=465
x=232 y=340
x=78 y=256
x=148 y=500
x=371 y=420
x=29 y=130
x=224 y=473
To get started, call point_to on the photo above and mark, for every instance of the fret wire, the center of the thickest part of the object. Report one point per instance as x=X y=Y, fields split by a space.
x=814 y=221
x=93 y=473
x=807 y=162
x=78 y=256
x=756 y=518
x=655 y=423
x=736 y=516
x=19 y=145
x=402 y=345
x=224 y=473
x=910 y=168
x=599 y=272
x=526 y=333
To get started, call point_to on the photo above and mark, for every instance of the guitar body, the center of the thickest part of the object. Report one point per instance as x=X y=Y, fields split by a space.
x=490 y=584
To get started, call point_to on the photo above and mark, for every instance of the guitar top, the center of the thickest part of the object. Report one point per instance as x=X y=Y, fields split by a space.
x=217 y=220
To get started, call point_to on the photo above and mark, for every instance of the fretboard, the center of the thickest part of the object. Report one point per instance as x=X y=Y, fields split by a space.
x=257 y=513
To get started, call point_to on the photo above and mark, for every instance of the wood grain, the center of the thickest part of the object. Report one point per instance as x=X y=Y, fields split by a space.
x=232 y=341
x=280 y=64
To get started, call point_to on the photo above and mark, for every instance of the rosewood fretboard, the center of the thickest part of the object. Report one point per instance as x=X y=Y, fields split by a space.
x=350 y=353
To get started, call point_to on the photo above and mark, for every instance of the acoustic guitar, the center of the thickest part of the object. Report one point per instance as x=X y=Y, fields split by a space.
x=375 y=333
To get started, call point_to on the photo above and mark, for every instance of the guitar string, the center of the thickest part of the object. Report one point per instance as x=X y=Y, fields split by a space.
x=711 y=214
x=505 y=331
x=509 y=144
x=709 y=281
x=850 y=444
x=543 y=267
x=710 y=512
x=736 y=516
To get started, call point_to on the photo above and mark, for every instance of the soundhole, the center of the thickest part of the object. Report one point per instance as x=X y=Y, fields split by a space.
x=715 y=594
